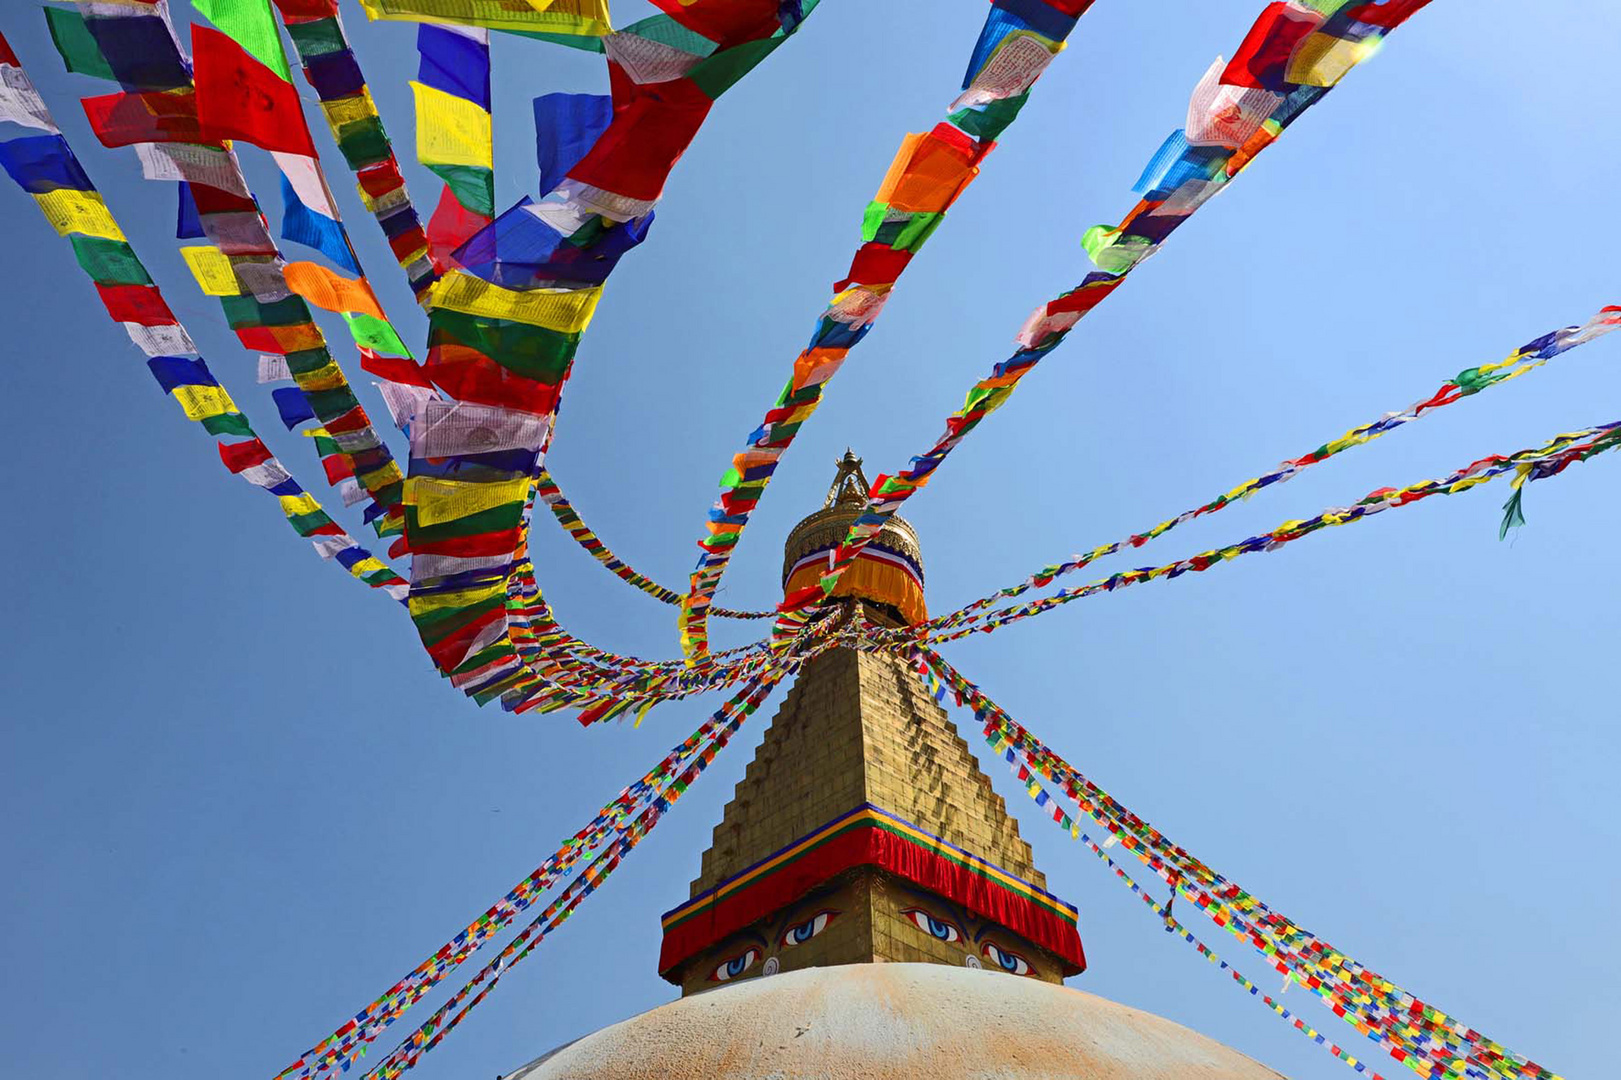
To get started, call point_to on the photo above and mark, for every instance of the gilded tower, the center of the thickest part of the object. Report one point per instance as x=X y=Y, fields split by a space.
x=864 y=830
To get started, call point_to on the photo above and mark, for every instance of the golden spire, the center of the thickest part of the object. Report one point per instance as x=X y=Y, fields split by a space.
x=849 y=484
x=864 y=830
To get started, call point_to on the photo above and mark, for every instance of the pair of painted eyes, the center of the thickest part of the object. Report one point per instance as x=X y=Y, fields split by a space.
x=797 y=934
x=944 y=931
x=1010 y=962
x=937 y=928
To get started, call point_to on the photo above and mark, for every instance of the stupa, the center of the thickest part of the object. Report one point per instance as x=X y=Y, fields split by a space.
x=867 y=909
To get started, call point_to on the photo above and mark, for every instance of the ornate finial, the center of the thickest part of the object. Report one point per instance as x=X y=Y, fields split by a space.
x=850 y=484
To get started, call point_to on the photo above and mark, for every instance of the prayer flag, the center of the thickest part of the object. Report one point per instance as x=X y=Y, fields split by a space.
x=238 y=97
x=308 y=215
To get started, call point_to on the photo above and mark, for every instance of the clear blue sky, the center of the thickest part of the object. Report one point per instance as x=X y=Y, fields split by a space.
x=240 y=804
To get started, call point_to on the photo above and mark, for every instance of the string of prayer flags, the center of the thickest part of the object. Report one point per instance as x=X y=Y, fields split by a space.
x=1181 y=177
x=199 y=394
x=657 y=803
x=330 y=67
x=505 y=337
x=264 y=315
x=547 y=491
x=1414 y=1032
x=339 y=1050
x=111 y=263
x=1537 y=463
x=1026 y=772
x=929 y=172
x=1471 y=381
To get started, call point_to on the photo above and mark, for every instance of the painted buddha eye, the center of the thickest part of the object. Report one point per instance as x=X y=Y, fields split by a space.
x=803 y=932
x=938 y=928
x=736 y=966
x=1007 y=961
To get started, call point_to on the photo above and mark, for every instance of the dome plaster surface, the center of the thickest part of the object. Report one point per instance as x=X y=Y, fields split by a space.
x=894 y=1021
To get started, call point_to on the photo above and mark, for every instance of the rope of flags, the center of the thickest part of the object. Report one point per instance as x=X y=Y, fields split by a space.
x=509 y=296
x=1467 y=383
x=618 y=827
x=1018 y=41
x=1291 y=58
x=1532 y=463
x=508 y=312
x=547 y=491
x=44 y=166
x=178 y=116
x=1026 y=778
x=333 y=72
x=1426 y=1039
x=431 y=1033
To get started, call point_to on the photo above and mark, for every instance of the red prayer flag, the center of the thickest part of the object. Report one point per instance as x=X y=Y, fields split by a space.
x=127 y=118
x=213 y=200
x=468 y=375
x=308 y=9
x=649 y=132
x=397 y=369
x=727 y=22
x=240 y=98
x=141 y=304
x=244 y=455
x=451 y=226
x=1389 y=14
x=381 y=178
x=1264 y=56
x=874 y=264
x=6 y=55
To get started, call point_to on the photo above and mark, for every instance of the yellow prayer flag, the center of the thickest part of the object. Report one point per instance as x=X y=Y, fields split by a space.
x=347 y=110
x=586 y=18
x=332 y=291
x=564 y=310
x=295 y=505
x=202 y=402
x=450 y=130
x=1323 y=59
x=423 y=603
x=81 y=212
x=438 y=501
x=328 y=376
x=212 y=269
x=381 y=477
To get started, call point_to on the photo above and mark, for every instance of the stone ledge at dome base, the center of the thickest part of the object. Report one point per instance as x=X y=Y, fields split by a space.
x=894 y=1022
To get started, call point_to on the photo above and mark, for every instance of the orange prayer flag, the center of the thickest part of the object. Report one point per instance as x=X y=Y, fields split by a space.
x=332 y=291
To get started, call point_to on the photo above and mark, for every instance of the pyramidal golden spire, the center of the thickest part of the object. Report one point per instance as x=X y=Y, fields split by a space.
x=864 y=830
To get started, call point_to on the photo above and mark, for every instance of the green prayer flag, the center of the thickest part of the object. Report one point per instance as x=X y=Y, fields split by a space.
x=231 y=423
x=473 y=186
x=375 y=334
x=872 y=219
x=80 y=52
x=988 y=121
x=1513 y=515
x=363 y=142
x=251 y=25
x=317 y=38
x=583 y=42
x=108 y=262
x=721 y=71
